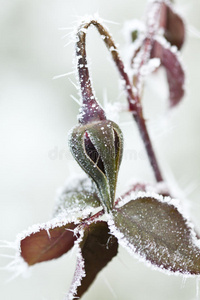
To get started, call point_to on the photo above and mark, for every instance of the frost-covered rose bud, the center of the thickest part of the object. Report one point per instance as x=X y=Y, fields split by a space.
x=96 y=143
x=97 y=147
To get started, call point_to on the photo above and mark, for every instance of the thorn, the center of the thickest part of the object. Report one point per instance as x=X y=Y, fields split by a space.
x=72 y=230
x=66 y=35
x=7 y=256
x=48 y=233
x=76 y=86
x=109 y=286
x=6 y=244
x=110 y=22
x=64 y=75
x=70 y=42
x=9 y=266
x=191 y=188
x=194 y=32
x=14 y=276
x=76 y=100
x=183 y=282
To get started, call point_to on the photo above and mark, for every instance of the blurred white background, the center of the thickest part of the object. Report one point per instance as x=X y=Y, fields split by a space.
x=36 y=113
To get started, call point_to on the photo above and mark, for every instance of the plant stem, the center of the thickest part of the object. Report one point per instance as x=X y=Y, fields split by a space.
x=90 y=110
x=133 y=99
x=148 y=145
x=92 y=218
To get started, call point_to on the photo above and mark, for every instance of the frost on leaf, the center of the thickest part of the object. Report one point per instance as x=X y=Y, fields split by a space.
x=97 y=248
x=163 y=36
x=156 y=230
x=174 y=30
x=78 y=196
x=47 y=244
x=174 y=70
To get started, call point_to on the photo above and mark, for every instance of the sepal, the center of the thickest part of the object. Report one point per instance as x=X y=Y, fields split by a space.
x=97 y=147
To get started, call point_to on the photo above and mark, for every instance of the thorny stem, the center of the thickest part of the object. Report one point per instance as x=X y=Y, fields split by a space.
x=133 y=99
x=148 y=145
x=155 y=18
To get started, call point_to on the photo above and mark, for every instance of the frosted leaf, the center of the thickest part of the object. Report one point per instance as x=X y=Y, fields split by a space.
x=97 y=248
x=78 y=196
x=174 y=70
x=162 y=22
x=46 y=241
x=169 y=22
x=174 y=29
x=154 y=228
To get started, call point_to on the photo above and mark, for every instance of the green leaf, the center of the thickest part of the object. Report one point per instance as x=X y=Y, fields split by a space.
x=47 y=243
x=98 y=147
x=158 y=232
x=97 y=248
x=78 y=195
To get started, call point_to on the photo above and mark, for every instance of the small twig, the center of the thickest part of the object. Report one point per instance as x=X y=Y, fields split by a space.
x=92 y=218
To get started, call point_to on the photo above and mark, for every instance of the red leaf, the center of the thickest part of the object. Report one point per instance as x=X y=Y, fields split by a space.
x=98 y=247
x=47 y=244
x=174 y=30
x=174 y=71
x=156 y=230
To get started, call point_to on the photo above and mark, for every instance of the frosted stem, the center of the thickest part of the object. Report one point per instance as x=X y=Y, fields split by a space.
x=148 y=145
x=155 y=18
x=90 y=110
x=133 y=99
x=94 y=217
